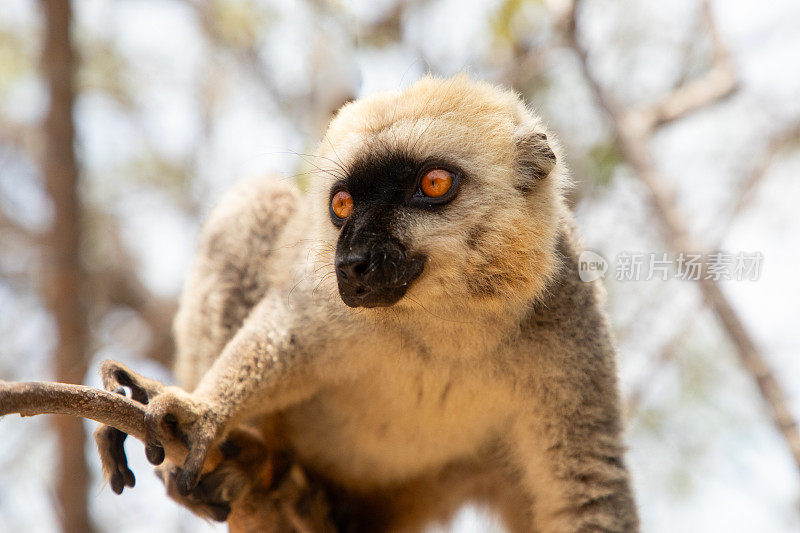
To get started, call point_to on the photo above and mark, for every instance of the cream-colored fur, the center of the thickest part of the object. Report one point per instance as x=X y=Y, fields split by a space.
x=492 y=380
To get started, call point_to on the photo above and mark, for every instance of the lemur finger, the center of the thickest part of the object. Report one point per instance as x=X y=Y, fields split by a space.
x=152 y=442
x=110 y=441
x=102 y=439
x=223 y=485
x=117 y=441
x=161 y=424
x=154 y=452
x=116 y=375
x=117 y=485
x=219 y=511
x=112 y=456
x=189 y=474
x=207 y=499
x=166 y=418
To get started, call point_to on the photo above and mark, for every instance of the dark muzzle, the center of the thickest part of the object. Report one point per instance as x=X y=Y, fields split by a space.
x=377 y=274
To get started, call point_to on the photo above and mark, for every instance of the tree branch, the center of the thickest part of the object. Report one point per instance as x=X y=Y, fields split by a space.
x=29 y=236
x=632 y=133
x=64 y=279
x=779 y=142
x=111 y=409
x=289 y=504
x=41 y=397
x=718 y=83
x=117 y=284
x=667 y=353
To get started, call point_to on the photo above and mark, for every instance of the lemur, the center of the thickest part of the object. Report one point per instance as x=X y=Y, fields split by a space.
x=414 y=328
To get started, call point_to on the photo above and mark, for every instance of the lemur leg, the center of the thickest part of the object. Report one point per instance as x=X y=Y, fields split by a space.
x=110 y=441
x=570 y=454
x=232 y=270
x=575 y=488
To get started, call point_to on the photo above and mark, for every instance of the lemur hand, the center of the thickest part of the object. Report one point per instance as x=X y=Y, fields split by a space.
x=176 y=414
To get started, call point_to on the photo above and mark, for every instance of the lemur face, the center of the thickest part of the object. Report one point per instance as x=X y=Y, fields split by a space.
x=375 y=262
x=438 y=194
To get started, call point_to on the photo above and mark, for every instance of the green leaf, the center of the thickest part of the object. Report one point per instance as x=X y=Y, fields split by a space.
x=604 y=158
x=502 y=23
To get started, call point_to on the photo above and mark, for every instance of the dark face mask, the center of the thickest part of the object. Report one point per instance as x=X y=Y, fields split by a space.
x=373 y=268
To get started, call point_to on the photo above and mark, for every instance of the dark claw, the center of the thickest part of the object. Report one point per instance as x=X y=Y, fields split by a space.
x=229 y=449
x=116 y=482
x=281 y=466
x=129 y=478
x=154 y=453
x=219 y=511
x=186 y=481
x=122 y=478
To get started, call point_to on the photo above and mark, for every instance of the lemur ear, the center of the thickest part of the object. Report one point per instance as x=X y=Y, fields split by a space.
x=535 y=159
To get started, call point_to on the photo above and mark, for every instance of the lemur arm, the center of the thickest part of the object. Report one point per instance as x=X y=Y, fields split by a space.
x=273 y=361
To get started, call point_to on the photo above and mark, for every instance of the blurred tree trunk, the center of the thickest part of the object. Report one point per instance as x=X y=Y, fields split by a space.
x=64 y=277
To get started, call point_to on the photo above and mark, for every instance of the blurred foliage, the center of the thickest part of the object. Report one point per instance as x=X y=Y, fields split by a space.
x=513 y=20
x=104 y=69
x=239 y=24
x=604 y=158
x=16 y=57
x=152 y=170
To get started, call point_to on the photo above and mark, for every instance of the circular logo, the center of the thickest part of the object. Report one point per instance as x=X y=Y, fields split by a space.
x=591 y=266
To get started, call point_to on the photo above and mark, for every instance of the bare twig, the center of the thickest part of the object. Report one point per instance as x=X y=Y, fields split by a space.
x=115 y=410
x=301 y=505
x=668 y=352
x=526 y=63
x=632 y=132
x=40 y=398
x=119 y=285
x=717 y=83
x=776 y=145
x=7 y=224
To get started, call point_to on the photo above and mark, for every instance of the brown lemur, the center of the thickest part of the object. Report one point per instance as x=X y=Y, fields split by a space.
x=415 y=331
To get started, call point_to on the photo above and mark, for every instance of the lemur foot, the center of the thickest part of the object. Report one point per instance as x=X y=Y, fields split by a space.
x=110 y=441
x=246 y=465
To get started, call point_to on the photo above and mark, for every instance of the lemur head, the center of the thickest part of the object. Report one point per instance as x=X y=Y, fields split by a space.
x=447 y=191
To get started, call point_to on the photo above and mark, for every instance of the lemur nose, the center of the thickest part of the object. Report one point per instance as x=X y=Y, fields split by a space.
x=352 y=267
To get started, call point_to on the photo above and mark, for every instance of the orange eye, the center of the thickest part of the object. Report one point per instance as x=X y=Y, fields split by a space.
x=436 y=183
x=342 y=204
